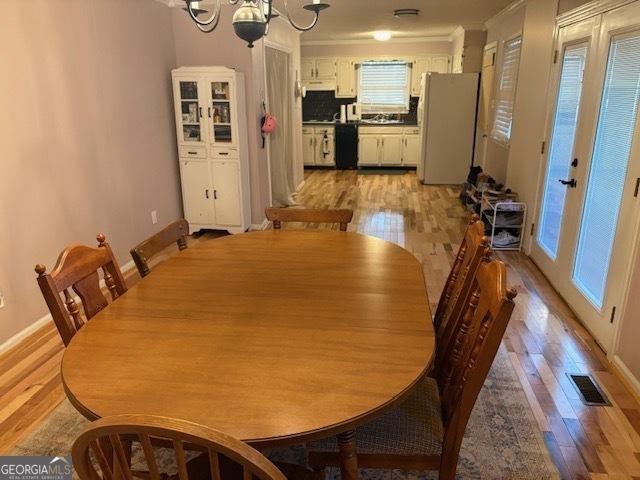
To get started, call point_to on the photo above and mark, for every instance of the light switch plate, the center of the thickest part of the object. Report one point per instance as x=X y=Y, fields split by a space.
x=154 y=216
x=1 y=299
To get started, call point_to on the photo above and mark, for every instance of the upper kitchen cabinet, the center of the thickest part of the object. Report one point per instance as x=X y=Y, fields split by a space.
x=319 y=73
x=432 y=63
x=345 y=78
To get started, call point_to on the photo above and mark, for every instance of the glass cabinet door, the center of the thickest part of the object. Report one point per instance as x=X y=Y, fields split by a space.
x=189 y=112
x=221 y=112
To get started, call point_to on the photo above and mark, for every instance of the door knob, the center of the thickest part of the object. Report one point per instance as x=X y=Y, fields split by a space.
x=569 y=183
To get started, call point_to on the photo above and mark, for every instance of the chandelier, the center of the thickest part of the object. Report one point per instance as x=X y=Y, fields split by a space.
x=251 y=19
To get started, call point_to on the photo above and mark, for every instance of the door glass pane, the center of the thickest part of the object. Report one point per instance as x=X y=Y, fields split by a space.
x=561 y=148
x=221 y=112
x=611 y=152
x=189 y=111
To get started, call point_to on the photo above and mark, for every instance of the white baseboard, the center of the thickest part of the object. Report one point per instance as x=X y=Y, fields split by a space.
x=126 y=270
x=632 y=380
x=262 y=226
x=25 y=333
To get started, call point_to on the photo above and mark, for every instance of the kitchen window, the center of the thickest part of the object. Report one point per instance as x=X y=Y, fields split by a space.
x=384 y=87
x=506 y=91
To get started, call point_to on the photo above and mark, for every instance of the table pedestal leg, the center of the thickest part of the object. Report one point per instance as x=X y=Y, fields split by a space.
x=348 y=457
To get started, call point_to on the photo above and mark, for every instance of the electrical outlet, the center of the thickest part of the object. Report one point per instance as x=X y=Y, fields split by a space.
x=154 y=216
x=1 y=299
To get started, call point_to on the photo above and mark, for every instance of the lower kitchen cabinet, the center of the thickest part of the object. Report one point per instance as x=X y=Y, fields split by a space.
x=391 y=149
x=368 y=150
x=388 y=146
x=411 y=149
x=318 y=146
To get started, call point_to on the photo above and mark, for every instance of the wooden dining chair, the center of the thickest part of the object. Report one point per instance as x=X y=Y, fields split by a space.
x=77 y=270
x=175 y=233
x=101 y=451
x=425 y=432
x=309 y=215
x=474 y=248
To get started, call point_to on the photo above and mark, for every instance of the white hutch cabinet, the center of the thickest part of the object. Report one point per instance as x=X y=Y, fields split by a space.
x=213 y=147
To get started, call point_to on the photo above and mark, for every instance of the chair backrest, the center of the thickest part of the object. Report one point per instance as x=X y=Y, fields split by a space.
x=484 y=322
x=472 y=240
x=104 y=441
x=309 y=215
x=474 y=248
x=175 y=233
x=78 y=269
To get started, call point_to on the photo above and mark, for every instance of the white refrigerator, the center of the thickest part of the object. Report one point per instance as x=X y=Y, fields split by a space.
x=447 y=119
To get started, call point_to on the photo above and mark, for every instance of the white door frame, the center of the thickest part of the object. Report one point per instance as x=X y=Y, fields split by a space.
x=585 y=12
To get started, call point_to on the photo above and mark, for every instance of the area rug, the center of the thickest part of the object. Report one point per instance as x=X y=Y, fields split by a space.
x=502 y=440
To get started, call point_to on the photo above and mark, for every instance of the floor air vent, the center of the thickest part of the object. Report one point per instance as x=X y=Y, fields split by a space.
x=590 y=392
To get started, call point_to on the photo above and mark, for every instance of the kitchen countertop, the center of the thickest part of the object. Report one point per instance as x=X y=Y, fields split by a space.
x=361 y=124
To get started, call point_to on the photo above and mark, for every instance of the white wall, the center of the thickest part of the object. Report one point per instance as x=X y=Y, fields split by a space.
x=88 y=136
x=530 y=108
x=363 y=49
x=504 y=26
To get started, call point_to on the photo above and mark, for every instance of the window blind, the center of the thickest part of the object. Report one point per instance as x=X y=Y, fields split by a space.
x=506 y=92
x=384 y=87
x=609 y=165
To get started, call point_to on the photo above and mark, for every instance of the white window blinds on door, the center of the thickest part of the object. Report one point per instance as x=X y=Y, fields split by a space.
x=506 y=91
x=384 y=87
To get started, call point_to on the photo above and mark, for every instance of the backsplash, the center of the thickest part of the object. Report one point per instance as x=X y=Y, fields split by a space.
x=324 y=105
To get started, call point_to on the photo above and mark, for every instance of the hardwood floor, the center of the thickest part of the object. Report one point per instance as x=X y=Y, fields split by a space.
x=544 y=339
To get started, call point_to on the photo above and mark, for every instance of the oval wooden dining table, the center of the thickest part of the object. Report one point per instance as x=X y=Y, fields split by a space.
x=275 y=337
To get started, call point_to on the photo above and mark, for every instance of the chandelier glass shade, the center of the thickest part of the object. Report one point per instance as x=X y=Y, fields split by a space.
x=251 y=19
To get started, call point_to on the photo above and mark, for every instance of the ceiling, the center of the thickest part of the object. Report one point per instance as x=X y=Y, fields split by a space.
x=357 y=19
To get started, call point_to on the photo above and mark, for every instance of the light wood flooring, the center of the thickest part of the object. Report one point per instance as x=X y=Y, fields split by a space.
x=544 y=339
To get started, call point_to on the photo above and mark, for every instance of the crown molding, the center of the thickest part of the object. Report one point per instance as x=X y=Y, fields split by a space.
x=504 y=12
x=459 y=30
x=589 y=10
x=441 y=38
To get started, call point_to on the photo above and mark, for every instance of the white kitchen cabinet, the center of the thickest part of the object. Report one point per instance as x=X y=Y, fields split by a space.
x=391 y=150
x=318 y=146
x=388 y=146
x=345 y=78
x=308 y=68
x=308 y=146
x=369 y=150
x=196 y=179
x=325 y=147
x=410 y=150
x=440 y=64
x=326 y=68
x=213 y=148
x=319 y=73
x=431 y=63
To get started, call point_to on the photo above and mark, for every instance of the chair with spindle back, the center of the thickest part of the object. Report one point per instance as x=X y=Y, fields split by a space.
x=474 y=247
x=100 y=452
x=425 y=432
x=309 y=215
x=175 y=233
x=77 y=270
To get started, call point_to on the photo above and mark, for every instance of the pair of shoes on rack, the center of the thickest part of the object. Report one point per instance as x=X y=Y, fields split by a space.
x=505 y=239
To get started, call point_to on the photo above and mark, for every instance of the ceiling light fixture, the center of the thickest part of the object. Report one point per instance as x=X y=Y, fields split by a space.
x=382 y=35
x=406 y=12
x=251 y=19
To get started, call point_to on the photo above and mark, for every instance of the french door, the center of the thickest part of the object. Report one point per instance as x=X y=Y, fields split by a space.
x=589 y=198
